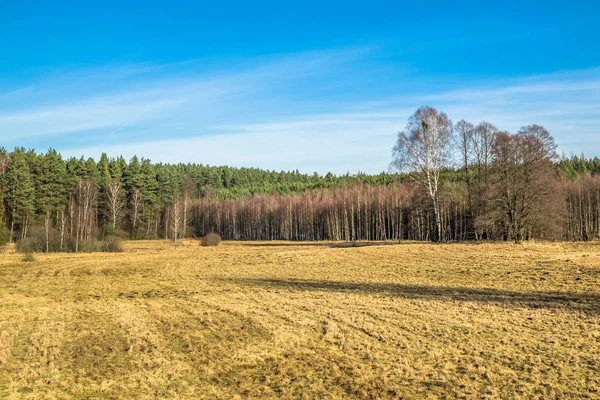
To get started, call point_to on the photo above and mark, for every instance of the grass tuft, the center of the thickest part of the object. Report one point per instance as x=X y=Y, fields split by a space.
x=28 y=257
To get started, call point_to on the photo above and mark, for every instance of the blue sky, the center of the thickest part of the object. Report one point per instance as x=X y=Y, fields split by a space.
x=314 y=86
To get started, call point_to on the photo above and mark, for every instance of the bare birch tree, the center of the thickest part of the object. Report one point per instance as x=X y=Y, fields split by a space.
x=85 y=201
x=186 y=205
x=62 y=223
x=176 y=217
x=115 y=201
x=424 y=150
x=136 y=205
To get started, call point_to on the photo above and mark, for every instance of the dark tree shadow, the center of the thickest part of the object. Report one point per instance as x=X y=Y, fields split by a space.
x=333 y=245
x=344 y=245
x=286 y=244
x=574 y=302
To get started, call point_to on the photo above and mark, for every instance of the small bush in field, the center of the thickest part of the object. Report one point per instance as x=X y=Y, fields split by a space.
x=35 y=242
x=28 y=257
x=211 y=239
x=112 y=244
x=29 y=245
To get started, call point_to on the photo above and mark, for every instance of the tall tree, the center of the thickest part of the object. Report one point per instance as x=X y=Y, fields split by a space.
x=547 y=145
x=424 y=150
x=149 y=190
x=50 y=180
x=85 y=200
x=483 y=141
x=19 y=193
x=117 y=168
x=104 y=179
x=465 y=132
x=115 y=203
x=524 y=182
x=176 y=217
x=133 y=182
x=136 y=209
x=186 y=205
x=3 y=164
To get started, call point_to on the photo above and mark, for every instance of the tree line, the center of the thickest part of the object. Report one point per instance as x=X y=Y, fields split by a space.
x=403 y=211
x=513 y=182
x=449 y=181
x=460 y=181
x=76 y=200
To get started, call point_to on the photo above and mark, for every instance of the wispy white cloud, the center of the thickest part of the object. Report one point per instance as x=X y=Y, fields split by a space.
x=567 y=103
x=133 y=95
x=315 y=111
x=328 y=145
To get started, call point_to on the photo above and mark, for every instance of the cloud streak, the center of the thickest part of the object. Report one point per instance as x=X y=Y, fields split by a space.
x=314 y=111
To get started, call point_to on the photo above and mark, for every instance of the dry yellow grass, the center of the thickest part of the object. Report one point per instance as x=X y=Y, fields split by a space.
x=313 y=320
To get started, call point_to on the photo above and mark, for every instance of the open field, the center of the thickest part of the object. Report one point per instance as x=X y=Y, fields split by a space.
x=286 y=320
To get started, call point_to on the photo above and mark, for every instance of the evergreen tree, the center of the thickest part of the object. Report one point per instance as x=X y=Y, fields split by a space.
x=3 y=165
x=50 y=196
x=133 y=182
x=19 y=192
x=117 y=168
x=149 y=190
x=104 y=179
x=132 y=176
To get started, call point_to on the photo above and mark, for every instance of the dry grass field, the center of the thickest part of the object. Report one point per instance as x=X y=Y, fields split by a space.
x=311 y=320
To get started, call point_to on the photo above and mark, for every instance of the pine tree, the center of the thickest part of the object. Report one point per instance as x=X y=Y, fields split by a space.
x=104 y=180
x=149 y=190
x=117 y=168
x=133 y=181
x=3 y=165
x=50 y=178
x=132 y=176
x=19 y=192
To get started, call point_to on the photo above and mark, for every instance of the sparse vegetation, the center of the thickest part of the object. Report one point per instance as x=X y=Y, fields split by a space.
x=36 y=242
x=211 y=239
x=28 y=257
x=109 y=245
x=314 y=320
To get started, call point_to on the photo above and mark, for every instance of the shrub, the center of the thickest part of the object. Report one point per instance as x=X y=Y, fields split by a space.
x=3 y=232
x=36 y=243
x=90 y=246
x=30 y=245
x=28 y=257
x=110 y=245
x=211 y=239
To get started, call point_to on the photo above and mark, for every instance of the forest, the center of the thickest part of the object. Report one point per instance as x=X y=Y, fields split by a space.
x=450 y=182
